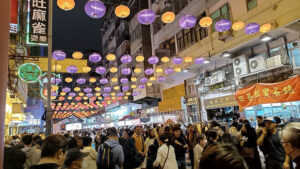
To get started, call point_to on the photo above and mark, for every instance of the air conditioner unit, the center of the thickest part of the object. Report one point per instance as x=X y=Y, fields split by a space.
x=274 y=61
x=258 y=63
x=218 y=77
x=208 y=81
x=240 y=66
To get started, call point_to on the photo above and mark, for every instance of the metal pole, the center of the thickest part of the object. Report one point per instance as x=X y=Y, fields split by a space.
x=49 y=111
x=199 y=108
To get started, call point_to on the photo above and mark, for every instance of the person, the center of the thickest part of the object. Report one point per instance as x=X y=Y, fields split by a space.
x=37 y=142
x=191 y=139
x=233 y=129
x=53 y=153
x=139 y=144
x=13 y=158
x=180 y=147
x=73 y=141
x=97 y=139
x=272 y=148
x=201 y=140
x=212 y=136
x=166 y=154
x=222 y=156
x=150 y=139
x=74 y=159
x=89 y=162
x=152 y=149
x=111 y=145
x=249 y=146
x=33 y=155
x=79 y=143
x=259 y=119
x=128 y=148
x=290 y=140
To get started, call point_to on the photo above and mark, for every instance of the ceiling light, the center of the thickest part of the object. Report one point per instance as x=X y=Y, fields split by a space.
x=226 y=54
x=265 y=37
x=185 y=70
x=206 y=61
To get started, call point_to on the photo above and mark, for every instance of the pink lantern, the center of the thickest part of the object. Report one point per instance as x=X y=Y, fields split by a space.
x=107 y=89
x=187 y=21
x=81 y=80
x=142 y=86
x=87 y=90
x=146 y=16
x=72 y=69
x=199 y=60
x=125 y=88
x=161 y=79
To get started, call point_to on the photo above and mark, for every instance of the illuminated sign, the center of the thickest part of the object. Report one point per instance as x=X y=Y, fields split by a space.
x=29 y=72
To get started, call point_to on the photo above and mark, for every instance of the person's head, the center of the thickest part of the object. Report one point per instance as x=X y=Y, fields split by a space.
x=290 y=137
x=259 y=119
x=277 y=120
x=234 y=124
x=79 y=142
x=213 y=136
x=246 y=127
x=165 y=138
x=13 y=158
x=176 y=132
x=270 y=124
x=37 y=140
x=75 y=133
x=152 y=133
x=27 y=140
x=87 y=141
x=201 y=139
x=74 y=158
x=55 y=147
x=126 y=134
x=216 y=126
x=219 y=156
x=191 y=128
x=137 y=130
x=160 y=131
x=112 y=133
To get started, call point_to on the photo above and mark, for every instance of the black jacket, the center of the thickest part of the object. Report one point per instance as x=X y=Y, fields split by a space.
x=179 y=150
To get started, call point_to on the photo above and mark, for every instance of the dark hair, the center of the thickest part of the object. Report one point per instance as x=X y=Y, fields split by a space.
x=13 y=158
x=166 y=138
x=87 y=141
x=277 y=120
x=167 y=129
x=234 y=124
x=176 y=128
x=211 y=136
x=259 y=117
x=53 y=144
x=27 y=139
x=38 y=140
x=218 y=156
x=135 y=127
x=261 y=124
x=150 y=136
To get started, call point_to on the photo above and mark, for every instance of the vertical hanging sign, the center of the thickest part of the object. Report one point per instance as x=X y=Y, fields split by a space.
x=38 y=25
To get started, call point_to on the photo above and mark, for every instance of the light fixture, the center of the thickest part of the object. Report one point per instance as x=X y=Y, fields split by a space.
x=206 y=61
x=133 y=79
x=77 y=55
x=185 y=71
x=265 y=37
x=116 y=88
x=226 y=54
x=114 y=79
x=140 y=58
x=177 y=69
x=110 y=57
x=149 y=84
x=133 y=86
x=113 y=69
x=122 y=11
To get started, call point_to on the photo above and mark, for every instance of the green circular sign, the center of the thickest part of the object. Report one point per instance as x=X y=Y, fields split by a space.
x=29 y=72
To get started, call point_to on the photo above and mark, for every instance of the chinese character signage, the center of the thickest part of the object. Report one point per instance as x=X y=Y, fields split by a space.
x=285 y=91
x=220 y=102
x=38 y=28
x=29 y=72
x=191 y=101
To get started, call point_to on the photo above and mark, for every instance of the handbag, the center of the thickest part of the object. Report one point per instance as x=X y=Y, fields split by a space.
x=159 y=167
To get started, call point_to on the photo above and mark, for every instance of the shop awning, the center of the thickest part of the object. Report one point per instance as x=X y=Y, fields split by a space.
x=125 y=117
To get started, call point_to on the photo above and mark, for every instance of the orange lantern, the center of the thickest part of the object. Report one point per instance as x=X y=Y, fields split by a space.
x=137 y=70
x=168 y=17
x=152 y=78
x=165 y=59
x=116 y=88
x=86 y=69
x=238 y=25
x=177 y=69
x=133 y=79
x=97 y=89
x=205 y=21
x=140 y=58
x=77 y=55
x=159 y=70
x=188 y=59
x=76 y=89
x=113 y=69
x=92 y=80
x=68 y=79
x=110 y=57
x=114 y=79
x=133 y=86
x=66 y=4
x=56 y=67
x=149 y=84
x=122 y=11
x=265 y=28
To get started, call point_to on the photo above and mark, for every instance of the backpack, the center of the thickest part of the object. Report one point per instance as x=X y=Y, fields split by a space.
x=107 y=157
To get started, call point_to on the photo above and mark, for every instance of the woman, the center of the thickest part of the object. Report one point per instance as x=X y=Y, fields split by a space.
x=233 y=129
x=201 y=140
x=152 y=149
x=165 y=155
x=128 y=148
x=249 y=146
x=89 y=162
x=150 y=140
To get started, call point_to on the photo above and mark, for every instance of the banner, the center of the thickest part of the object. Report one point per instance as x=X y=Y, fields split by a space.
x=262 y=93
x=13 y=16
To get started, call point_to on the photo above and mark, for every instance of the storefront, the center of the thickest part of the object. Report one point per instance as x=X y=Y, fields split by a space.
x=192 y=108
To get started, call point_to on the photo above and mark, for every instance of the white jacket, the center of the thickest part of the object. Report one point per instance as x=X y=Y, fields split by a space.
x=89 y=162
x=197 y=155
x=162 y=152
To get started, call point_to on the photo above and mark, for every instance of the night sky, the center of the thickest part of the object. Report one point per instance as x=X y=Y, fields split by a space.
x=74 y=30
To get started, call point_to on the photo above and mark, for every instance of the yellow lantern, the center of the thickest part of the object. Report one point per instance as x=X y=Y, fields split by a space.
x=205 y=21
x=116 y=88
x=86 y=69
x=152 y=78
x=85 y=98
x=133 y=86
x=56 y=67
x=69 y=98
x=81 y=94
x=159 y=70
x=110 y=57
x=66 y=4
x=137 y=70
x=101 y=105
x=265 y=28
x=125 y=97
x=165 y=59
x=122 y=11
x=113 y=69
x=128 y=93
x=238 y=25
x=97 y=89
x=140 y=58
x=72 y=103
x=133 y=79
x=76 y=89
x=113 y=98
x=62 y=93
x=112 y=94
x=149 y=84
x=177 y=69
x=59 y=104
x=168 y=17
x=100 y=98
x=85 y=103
x=77 y=55
x=114 y=79
x=93 y=80
x=68 y=79
x=54 y=88
x=98 y=94
x=108 y=102
x=188 y=59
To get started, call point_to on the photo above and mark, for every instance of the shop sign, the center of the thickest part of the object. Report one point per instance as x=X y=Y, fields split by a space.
x=13 y=26
x=191 y=101
x=225 y=101
x=262 y=93
x=29 y=72
x=216 y=86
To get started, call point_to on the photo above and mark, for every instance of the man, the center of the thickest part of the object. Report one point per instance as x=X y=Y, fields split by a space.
x=191 y=139
x=33 y=155
x=180 y=147
x=291 y=141
x=73 y=141
x=113 y=146
x=74 y=158
x=139 y=143
x=273 y=150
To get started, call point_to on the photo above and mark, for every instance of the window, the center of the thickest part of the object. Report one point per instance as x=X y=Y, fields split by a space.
x=251 y=4
x=222 y=13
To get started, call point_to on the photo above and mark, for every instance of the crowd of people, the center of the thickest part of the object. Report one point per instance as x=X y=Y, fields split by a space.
x=244 y=145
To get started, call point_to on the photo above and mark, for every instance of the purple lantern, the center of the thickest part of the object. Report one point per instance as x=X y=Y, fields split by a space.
x=55 y=80
x=59 y=55
x=89 y=95
x=105 y=95
x=134 y=94
x=107 y=89
x=95 y=57
x=103 y=81
x=146 y=16
x=187 y=21
x=149 y=71
x=223 y=25
x=126 y=71
x=72 y=94
x=81 y=80
x=95 y=9
x=72 y=69
x=199 y=60
x=177 y=60
x=251 y=28
x=66 y=89
x=124 y=80
x=100 y=70
x=120 y=94
x=169 y=71
x=126 y=59
x=153 y=60
x=87 y=90
x=54 y=94
x=125 y=88
x=161 y=79
x=142 y=86
x=143 y=80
